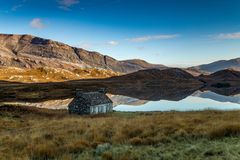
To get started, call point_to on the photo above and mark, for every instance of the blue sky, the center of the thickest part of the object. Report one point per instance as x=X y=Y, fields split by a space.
x=170 y=32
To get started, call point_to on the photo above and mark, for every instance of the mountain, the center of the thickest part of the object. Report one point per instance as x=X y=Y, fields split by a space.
x=26 y=51
x=217 y=66
x=30 y=52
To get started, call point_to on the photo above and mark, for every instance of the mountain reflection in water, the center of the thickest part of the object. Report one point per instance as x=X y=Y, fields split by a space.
x=131 y=97
x=198 y=101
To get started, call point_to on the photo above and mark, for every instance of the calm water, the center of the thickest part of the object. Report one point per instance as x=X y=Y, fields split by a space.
x=170 y=101
x=197 y=101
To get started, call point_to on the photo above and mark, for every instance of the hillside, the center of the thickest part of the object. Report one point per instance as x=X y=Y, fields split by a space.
x=26 y=51
x=46 y=74
x=217 y=66
x=222 y=79
x=141 y=64
x=227 y=74
x=156 y=74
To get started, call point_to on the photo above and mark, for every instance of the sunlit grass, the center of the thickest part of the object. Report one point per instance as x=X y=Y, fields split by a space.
x=46 y=74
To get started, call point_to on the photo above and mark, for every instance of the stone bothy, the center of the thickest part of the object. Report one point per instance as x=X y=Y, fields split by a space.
x=90 y=103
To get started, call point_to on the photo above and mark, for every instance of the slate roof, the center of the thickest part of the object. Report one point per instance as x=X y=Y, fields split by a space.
x=93 y=98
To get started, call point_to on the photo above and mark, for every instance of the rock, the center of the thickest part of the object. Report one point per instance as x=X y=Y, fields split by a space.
x=101 y=148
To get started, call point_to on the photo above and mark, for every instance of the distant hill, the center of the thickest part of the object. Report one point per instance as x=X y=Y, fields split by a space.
x=26 y=51
x=156 y=74
x=217 y=66
x=227 y=74
x=222 y=79
x=141 y=64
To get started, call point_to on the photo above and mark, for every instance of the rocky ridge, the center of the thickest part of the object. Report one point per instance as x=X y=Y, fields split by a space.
x=26 y=51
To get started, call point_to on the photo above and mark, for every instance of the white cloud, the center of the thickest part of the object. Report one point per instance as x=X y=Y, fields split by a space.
x=153 y=37
x=67 y=4
x=37 y=23
x=113 y=43
x=14 y=8
x=223 y=36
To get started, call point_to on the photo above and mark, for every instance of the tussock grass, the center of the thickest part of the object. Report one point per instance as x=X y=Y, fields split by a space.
x=44 y=134
x=227 y=130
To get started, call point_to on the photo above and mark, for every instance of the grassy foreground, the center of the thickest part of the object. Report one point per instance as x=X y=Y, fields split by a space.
x=40 y=134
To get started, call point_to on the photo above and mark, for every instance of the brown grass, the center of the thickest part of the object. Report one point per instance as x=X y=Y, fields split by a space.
x=45 y=74
x=44 y=134
x=227 y=130
x=107 y=156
